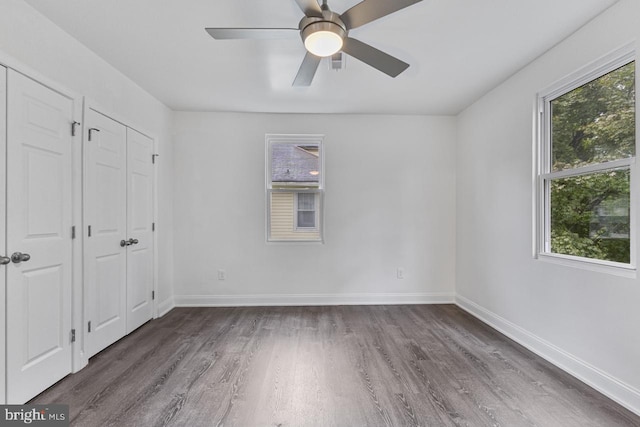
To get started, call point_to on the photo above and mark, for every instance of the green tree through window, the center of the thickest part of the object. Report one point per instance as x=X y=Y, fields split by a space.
x=592 y=125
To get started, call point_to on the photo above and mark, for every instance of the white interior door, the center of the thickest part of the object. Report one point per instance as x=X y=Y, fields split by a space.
x=105 y=198
x=39 y=215
x=139 y=229
x=3 y=238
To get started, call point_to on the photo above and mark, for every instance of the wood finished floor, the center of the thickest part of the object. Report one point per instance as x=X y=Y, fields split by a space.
x=326 y=366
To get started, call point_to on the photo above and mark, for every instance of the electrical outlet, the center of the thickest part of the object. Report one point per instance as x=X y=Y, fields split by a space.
x=400 y=273
x=222 y=275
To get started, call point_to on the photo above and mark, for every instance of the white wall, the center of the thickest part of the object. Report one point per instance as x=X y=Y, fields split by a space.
x=390 y=202
x=585 y=321
x=29 y=39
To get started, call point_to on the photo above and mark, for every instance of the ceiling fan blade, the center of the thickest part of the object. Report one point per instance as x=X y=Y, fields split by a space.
x=370 y=10
x=310 y=7
x=307 y=70
x=251 y=33
x=374 y=57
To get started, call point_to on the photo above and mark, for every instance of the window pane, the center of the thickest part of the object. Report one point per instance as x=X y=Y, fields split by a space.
x=306 y=219
x=294 y=184
x=595 y=123
x=295 y=164
x=590 y=216
x=286 y=223
x=306 y=201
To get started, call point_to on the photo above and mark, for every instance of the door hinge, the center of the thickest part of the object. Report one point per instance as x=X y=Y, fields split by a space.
x=89 y=326
x=73 y=232
x=73 y=335
x=153 y=158
x=153 y=294
x=91 y=130
x=73 y=128
x=153 y=226
x=89 y=231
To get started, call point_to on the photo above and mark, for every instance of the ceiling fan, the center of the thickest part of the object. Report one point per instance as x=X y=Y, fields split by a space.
x=326 y=33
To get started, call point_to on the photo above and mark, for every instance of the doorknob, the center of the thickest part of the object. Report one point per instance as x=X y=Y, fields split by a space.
x=18 y=257
x=129 y=242
x=4 y=260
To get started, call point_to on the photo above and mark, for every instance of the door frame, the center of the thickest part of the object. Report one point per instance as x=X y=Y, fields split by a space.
x=3 y=236
x=90 y=104
x=76 y=194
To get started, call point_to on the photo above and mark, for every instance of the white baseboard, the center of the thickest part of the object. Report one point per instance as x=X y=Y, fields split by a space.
x=617 y=390
x=311 y=299
x=165 y=306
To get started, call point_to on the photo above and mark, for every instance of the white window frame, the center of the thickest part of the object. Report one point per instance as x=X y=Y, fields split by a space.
x=296 y=139
x=544 y=174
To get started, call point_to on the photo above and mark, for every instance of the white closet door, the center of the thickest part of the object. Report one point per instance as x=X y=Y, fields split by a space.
x=3 y=238
x=105 y=197
x=139 y=226
x=39 y=214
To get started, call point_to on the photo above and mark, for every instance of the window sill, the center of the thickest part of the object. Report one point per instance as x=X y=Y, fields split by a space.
x=607 y=267
x=295 y=242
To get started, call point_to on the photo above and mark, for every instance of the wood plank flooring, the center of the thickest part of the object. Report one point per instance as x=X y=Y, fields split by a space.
x=423 y=365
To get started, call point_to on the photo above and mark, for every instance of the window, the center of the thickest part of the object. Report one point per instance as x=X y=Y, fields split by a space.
x=306 y=213
x=588 y=147
x=295 y=187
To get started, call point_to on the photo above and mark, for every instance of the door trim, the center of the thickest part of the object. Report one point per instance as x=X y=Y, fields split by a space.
x=3 y=236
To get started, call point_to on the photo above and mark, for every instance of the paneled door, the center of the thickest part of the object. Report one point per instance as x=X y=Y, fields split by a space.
x=39 y=215
x=3 y=239
x=105 y=198
x=139 y=229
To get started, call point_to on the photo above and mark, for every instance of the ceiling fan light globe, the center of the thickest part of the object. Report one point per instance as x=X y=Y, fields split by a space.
x=323 y=38
x=323 y=43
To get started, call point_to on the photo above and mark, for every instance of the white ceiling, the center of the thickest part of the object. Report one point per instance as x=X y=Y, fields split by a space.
x=458 y=50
